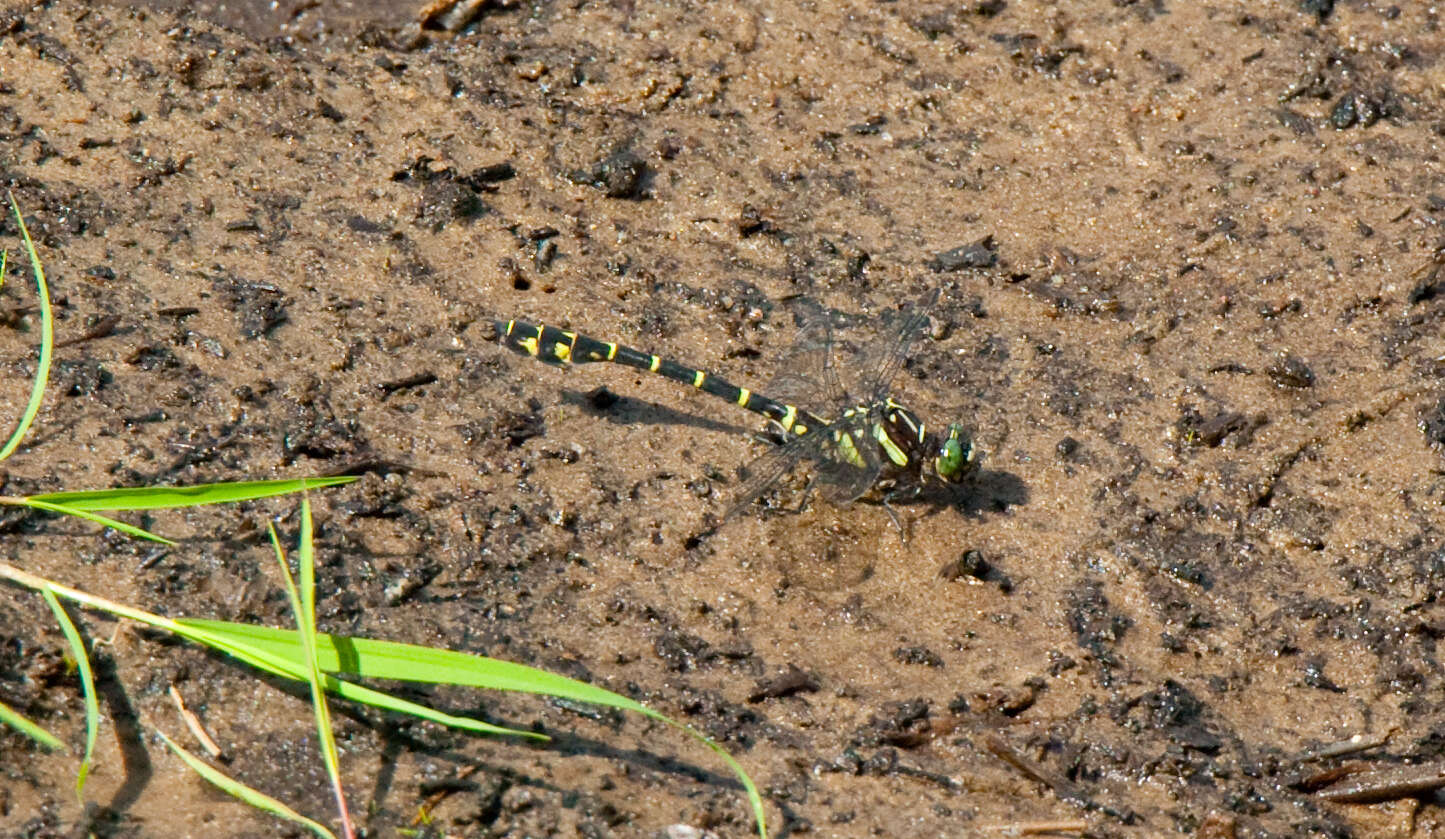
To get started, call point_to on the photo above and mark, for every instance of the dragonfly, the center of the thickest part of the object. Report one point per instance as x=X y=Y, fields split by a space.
x=855 y=438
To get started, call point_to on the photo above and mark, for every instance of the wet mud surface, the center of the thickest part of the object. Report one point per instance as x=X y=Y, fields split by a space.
x=1185 y=254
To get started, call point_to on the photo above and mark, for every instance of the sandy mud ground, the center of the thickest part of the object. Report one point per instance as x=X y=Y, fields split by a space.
x=1185 y=258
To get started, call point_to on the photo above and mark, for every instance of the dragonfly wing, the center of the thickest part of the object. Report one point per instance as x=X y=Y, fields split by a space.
x=886 y=357
x=809 y=377
x=766 y=469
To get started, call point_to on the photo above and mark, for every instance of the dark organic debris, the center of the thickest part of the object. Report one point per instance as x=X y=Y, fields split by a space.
x=903 y=724
x=153 y=357
x=1226 y=424
x=1425 y=287
x=260 y=307
x=1175 y=710
x=1066 y=790
x=1289 y=371
x=794 y=680
x=752 y=222
x=519 y=427
x=1387 y=783
x=415 y=380
x=103 y=327
x=980 y=254
x=81 y=378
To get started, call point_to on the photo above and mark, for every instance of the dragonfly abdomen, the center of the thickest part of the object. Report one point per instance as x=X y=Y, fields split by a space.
x=561 y=346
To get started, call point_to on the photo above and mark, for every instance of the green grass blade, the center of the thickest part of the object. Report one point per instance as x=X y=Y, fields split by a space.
x=233 y=639
x=374 y=659
x=47 y=341
x=236 y=646
x=236 y=789
x=158 y=498
x=128 y=529
x=87 y=686
x=303 y=604
x=9 y=716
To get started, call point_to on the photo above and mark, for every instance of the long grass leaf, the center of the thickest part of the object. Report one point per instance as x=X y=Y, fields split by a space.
x=303 y=604
x=278 y=651
x=9 y=716
x=107 y=521
x=236 y=789
x=47 y=341
x=236 y=646
x=87 y=685
x=374 y=659
x=163 y=497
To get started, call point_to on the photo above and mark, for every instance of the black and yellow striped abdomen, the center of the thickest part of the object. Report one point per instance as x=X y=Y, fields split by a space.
x=560 y=346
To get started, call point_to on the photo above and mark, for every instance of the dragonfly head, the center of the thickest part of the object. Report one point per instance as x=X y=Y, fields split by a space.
x=957 y=456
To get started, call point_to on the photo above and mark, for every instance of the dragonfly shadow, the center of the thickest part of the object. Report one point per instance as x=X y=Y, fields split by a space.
x=626 y=410
x=989 y=491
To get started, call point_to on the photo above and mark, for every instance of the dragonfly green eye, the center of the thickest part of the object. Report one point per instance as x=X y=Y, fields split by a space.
x=957 y=457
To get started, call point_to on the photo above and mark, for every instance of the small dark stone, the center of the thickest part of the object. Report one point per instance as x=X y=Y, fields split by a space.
x=492 y=174
x=1296 y=122
x=873 y=126
x=970 y=564
x=1343 y=116
x=1319 y=8
x=1315 y=676
x=980 y=254
x=445 y=200
x=751 y=222
x=1066 y=447
x=1356 y=108
x=361 y=224
x=619 y=175
x=546 y=253
x=918 y=655
x=1432 y=423
x=1291 y=372
x=1212 y=431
